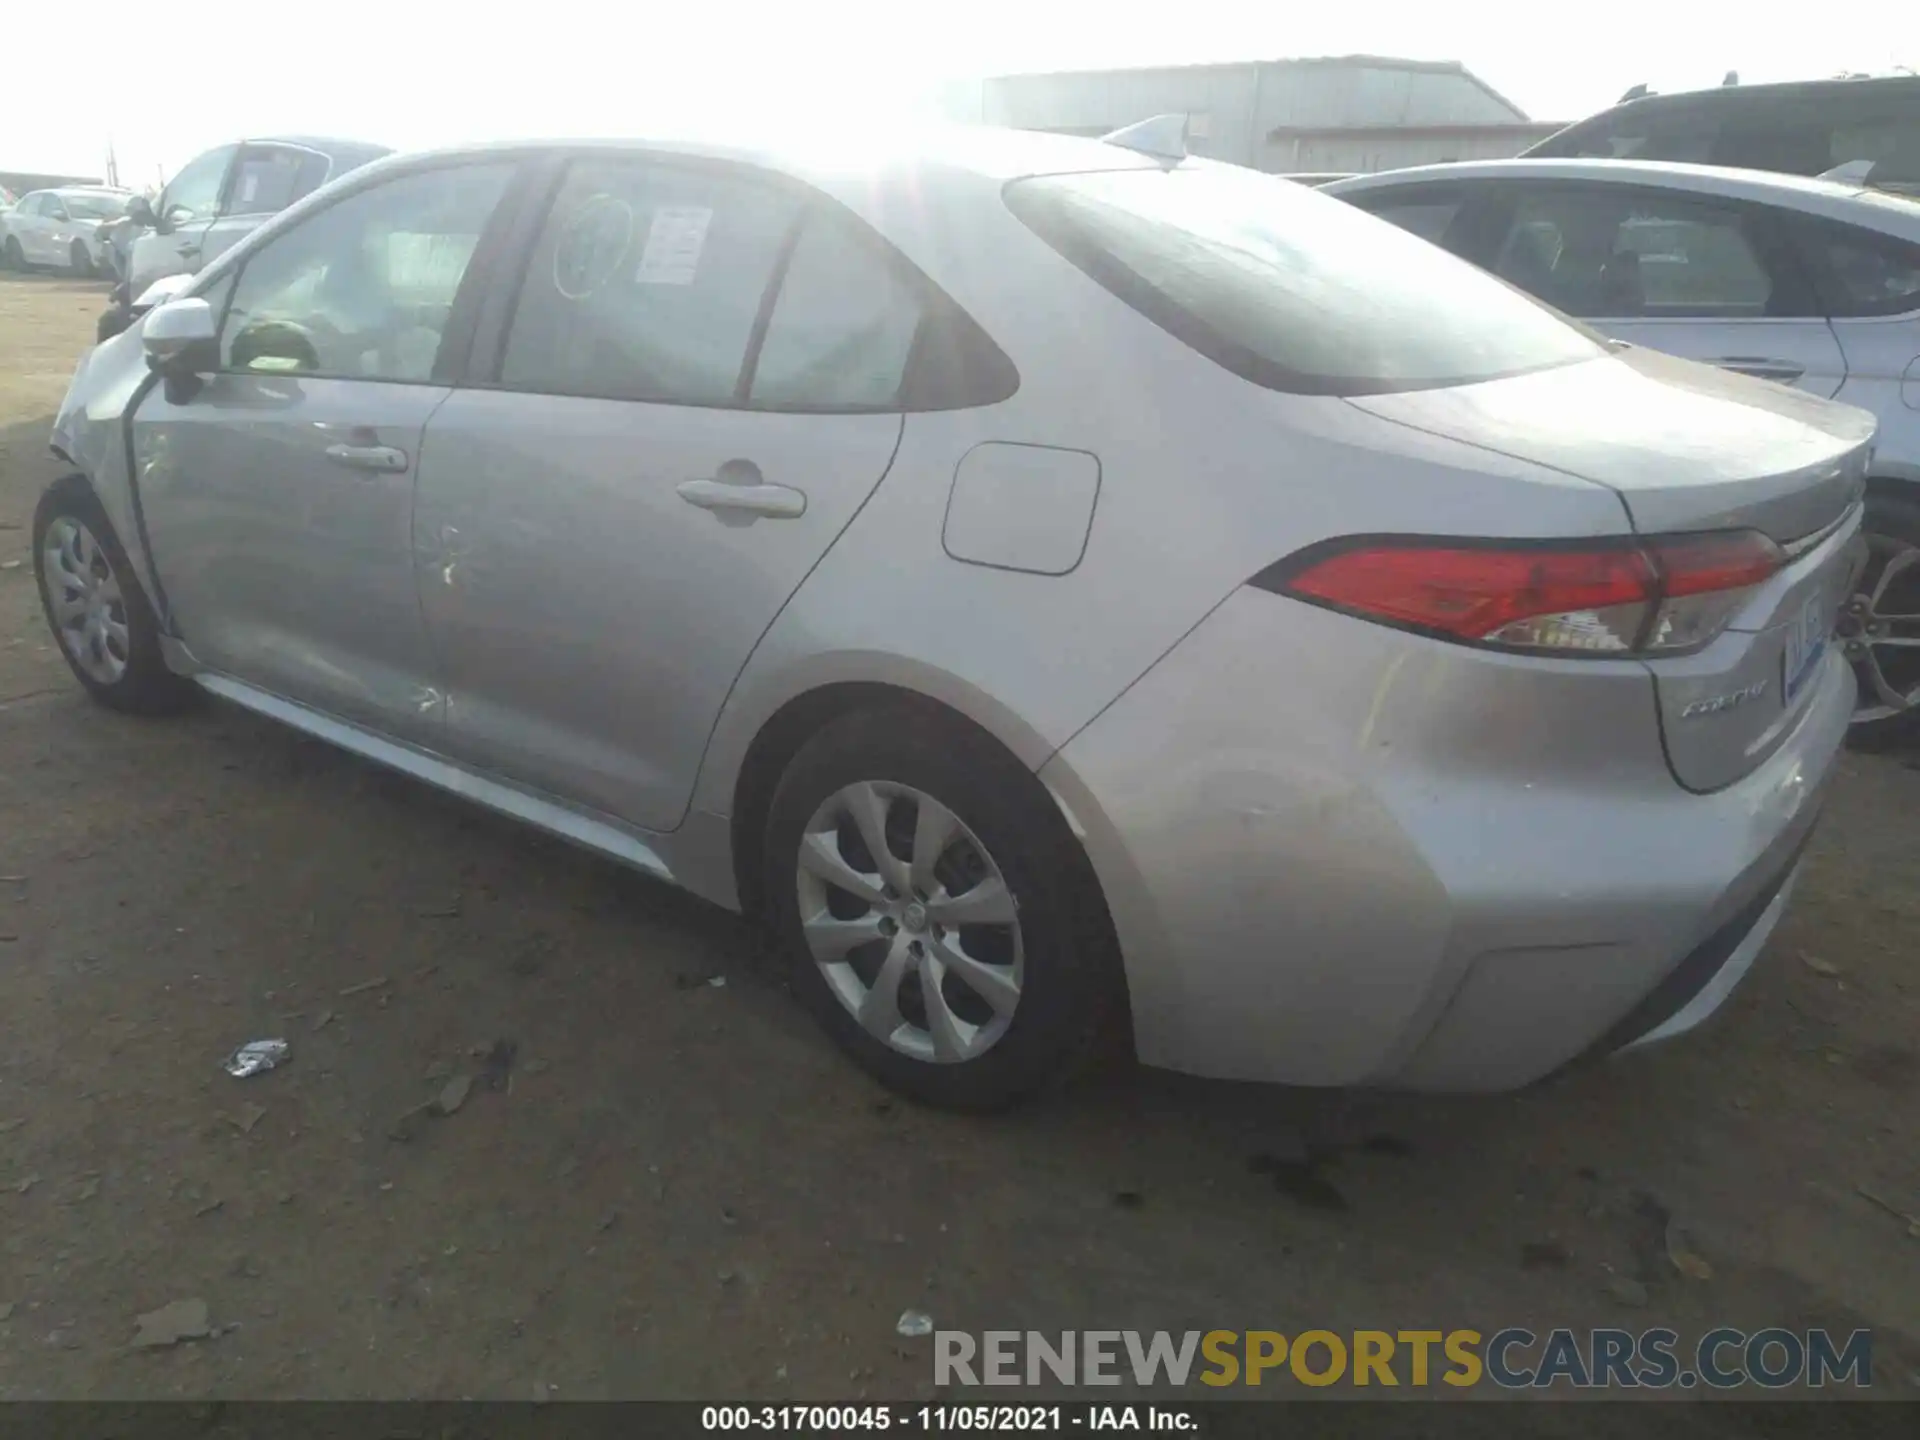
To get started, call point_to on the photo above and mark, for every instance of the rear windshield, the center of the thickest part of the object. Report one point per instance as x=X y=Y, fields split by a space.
x=1289 y=288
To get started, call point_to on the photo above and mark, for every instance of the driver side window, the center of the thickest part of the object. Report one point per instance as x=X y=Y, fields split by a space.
x=194 y=193
x=363 y=289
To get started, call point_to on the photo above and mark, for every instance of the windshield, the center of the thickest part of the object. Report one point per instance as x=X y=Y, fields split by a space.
x=95 y=207
x=1289 y=288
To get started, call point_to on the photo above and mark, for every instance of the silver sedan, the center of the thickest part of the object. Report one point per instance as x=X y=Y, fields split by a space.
x=1053 y=586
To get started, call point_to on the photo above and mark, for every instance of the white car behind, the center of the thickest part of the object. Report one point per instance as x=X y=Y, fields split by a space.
x=60 y=228
x=1809 y=283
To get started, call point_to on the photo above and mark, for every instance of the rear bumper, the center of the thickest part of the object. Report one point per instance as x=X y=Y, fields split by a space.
x=1339 y=855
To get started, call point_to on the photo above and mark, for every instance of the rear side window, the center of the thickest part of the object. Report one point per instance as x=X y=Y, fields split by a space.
x=842 y=326
x=646 y=284
x=1289 y=288
x=1428 y=216
x=1607 y=252
x=1865 y=274
x=265 y=180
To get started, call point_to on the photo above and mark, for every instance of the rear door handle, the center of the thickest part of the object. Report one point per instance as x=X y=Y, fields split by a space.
x=740 y=494
x=1762 y=367
x=383 y=459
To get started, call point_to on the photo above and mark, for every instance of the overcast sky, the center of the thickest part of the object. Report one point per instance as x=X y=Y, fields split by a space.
x=162 y=84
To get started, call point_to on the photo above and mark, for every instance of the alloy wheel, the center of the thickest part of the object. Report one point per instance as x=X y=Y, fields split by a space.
x=1880 y=629
x=89 y=611
x=910 y=921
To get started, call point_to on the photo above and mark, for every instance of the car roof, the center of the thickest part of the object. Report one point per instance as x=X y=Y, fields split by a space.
x=1856 y=204
x=983 y=151
x=1745 y=96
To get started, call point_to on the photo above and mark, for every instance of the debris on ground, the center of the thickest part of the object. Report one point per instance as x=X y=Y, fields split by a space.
x=449 y=911
x=1129 y=1199
x=8 y=1126
x=6 y=1311
x=496 y=1065
x=364 y=986
x=717 y=982
x=1685 y=1257
x=1819 y=966
x=250 y=1115
x=256 y=1056
x=9 y=564
x=1627 y=1290
x=25 y=1183
x=1300 y=1179
x=212 y=1207
x=1912 y=1221
x=453 y=1096
x=1543 y=1255
x=913 y=1324
x=170 y=1324
x=88 y=1187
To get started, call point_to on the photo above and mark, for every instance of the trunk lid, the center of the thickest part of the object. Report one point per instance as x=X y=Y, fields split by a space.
x=1686 y=446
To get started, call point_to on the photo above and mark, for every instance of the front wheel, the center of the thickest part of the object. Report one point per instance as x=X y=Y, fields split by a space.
x=940 y=919
x=1880 y=627
x=95 y=606
x=80 y=260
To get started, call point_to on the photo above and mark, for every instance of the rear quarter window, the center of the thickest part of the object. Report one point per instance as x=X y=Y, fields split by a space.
x=1291 y=289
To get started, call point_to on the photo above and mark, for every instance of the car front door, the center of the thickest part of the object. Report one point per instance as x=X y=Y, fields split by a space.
x=672 y=437
x=184 y=210
x=1688 y=274
x=279 y=495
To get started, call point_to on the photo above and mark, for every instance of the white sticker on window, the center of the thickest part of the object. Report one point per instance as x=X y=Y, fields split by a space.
x=674 y=241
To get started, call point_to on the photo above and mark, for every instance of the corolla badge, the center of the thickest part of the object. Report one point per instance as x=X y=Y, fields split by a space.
x=1714 y=704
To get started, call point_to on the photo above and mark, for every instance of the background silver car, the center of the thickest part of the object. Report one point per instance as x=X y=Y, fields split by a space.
x=215 y=200
x=1804 y=282
x=1045 y=582
x=60 y=228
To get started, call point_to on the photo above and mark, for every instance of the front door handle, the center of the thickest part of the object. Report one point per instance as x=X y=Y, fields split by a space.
x=383 y=459
x=739 y=494
x=187 y=252
x=1762 y=367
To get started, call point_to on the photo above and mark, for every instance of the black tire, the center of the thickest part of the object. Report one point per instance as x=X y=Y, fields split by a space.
x=1895 y=517
x=16 y=258
x=111 y=323
x=145 y=686
x=1071 y=990
x=79 y=261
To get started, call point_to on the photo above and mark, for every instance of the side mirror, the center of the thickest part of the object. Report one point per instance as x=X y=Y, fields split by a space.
x=182 y=343
x=167 y=287
x=141 y=213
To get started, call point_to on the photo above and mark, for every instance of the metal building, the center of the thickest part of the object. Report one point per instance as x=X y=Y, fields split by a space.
x=1347 y=113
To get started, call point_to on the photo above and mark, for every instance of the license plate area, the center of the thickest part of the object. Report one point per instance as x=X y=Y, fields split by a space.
x=1806 y=641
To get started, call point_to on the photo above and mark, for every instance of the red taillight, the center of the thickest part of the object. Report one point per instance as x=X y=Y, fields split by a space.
x=1611 y=597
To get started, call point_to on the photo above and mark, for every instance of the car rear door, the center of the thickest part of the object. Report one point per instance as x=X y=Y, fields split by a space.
x=265 y=178
x=278 y=495
x=698 y=387
x=1685 y=273
x=28 y=227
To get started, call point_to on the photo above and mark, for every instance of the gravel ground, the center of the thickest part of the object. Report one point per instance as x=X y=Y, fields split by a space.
x=657 y=1185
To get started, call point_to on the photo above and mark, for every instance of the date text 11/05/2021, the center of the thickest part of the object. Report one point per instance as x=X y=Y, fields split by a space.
x=950 y=1417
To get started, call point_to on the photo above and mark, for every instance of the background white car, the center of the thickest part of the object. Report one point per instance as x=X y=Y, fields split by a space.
x=61 y=228
x=1808 y=283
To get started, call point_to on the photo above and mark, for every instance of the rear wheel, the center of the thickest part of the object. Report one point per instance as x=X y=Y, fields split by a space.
x=16 y=258
x=79 y=259
x=1880 y=627
x=95 y=607
x=940 y=920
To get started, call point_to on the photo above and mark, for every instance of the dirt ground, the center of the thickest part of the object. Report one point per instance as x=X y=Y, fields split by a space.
x=678 y=1189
